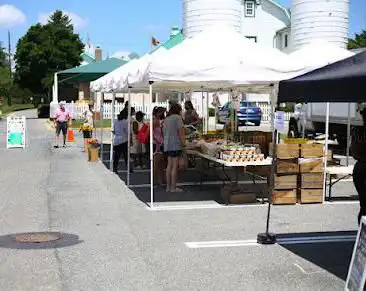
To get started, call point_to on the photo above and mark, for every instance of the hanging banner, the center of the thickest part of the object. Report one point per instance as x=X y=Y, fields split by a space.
x=279 y=121
x=357 y=270
x=15 y=132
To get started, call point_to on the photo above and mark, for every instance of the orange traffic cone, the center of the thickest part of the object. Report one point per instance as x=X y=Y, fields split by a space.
x=70 y=135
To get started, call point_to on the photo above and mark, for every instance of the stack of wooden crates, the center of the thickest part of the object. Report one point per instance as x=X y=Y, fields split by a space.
x=299 y=174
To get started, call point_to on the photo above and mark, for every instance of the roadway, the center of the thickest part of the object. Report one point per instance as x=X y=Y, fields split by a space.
x=112 y=241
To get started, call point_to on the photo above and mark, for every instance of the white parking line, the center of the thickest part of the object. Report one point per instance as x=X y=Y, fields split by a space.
x=201 y=206
x=280 y=241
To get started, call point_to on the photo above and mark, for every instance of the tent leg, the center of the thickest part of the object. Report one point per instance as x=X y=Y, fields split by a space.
x=101 y=128
x=348 y=133
x=112 y=122
x=326 y=152
x=267 y=238
x=151 y=151
x=129 y=137
x=303 y=120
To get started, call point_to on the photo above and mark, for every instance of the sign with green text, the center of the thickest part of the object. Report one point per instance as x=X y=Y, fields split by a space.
x=15 y=132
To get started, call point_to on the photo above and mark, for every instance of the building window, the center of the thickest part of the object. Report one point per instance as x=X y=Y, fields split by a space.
x=252 y=38
x=249 y=8
x=286 y=40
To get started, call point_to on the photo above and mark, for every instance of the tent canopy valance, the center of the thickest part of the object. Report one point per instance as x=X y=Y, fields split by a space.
x=90 y=72
x=343 y=81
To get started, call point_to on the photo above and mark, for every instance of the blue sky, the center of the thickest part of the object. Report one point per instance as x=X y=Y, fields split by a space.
x=120 y=26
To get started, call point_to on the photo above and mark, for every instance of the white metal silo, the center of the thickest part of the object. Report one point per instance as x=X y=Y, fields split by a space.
x=200 y=14
x=319 y=19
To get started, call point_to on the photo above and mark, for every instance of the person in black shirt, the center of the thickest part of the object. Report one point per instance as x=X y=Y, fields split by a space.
x=358 y=150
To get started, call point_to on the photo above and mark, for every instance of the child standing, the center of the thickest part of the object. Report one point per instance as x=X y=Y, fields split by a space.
x=137 y=149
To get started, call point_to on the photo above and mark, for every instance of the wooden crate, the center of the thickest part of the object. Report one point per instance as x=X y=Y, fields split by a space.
x=311 y=150
x=285 y=182
x=311 y=180
x=286 y=151
x=311 y=165
x=284 y=197
x=287 y=166
x=311 y=196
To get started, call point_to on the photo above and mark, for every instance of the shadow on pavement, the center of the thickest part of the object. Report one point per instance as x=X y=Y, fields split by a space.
x=11 y=241
x=332 y=254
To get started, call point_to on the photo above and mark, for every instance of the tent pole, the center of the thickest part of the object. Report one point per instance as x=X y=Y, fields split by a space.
x=303 y=120
x=202 y=113
x=129 y=136
x=151 y=149
x=326 y=152
x=112 y=125
x=267 y=237
x=207 y=114
x=348 y=133
x=101 y=128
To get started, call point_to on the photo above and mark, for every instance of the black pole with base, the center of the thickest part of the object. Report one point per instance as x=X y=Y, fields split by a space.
x=268 y=238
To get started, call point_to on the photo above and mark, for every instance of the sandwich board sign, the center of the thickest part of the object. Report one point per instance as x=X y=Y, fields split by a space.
x=15 y=128
x=357 y=270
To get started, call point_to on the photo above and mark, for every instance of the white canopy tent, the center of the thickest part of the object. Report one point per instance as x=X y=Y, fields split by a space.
x=110 y=82
x=219 y=57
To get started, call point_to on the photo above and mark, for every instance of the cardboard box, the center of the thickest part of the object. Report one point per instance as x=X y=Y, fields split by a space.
x=284 y=197
x=311 y=150
x=93 y=154
x=287 y=166
x=312 y=180
x=285 y=182
x=311 y=196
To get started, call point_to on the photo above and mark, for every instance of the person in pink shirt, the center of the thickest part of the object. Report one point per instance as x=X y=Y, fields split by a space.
x=62 y=118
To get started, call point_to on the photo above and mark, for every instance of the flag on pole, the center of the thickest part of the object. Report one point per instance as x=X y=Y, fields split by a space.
x=154 y=41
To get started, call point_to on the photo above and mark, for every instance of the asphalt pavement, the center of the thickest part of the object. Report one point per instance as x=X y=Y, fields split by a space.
x=111 y=240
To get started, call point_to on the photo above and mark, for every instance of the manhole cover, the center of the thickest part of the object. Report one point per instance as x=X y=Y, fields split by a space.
x=37 y=237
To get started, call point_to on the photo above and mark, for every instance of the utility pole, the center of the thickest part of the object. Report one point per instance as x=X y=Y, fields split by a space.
x=9 y=54
x=10 y=73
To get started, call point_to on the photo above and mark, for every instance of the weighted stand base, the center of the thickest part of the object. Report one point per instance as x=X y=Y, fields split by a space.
x=266 y=238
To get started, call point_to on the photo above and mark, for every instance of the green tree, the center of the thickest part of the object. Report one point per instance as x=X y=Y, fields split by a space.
x=45 y=50
x=359 y=41
x=3 y=56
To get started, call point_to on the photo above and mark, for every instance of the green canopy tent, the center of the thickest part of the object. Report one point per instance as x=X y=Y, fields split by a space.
x=85 y=74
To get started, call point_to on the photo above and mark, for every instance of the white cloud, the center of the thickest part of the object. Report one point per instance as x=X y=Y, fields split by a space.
x=77 y=21
x=11 y=16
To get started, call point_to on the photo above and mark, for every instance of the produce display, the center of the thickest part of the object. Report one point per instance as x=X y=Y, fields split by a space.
x=241 y=153
x=227 y=151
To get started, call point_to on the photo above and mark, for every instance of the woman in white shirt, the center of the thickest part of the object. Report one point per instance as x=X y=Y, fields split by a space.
x=120 y=139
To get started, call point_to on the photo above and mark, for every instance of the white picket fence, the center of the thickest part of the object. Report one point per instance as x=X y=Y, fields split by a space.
x=77 y=110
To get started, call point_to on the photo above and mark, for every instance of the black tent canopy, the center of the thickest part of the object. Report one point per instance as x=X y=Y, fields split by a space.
x=343 y=81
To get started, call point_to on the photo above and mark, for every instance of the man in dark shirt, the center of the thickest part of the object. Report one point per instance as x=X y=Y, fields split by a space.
x=358 y=150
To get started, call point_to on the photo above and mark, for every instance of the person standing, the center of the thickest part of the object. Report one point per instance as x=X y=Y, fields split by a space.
x=88 y=126
x=120 y=140
x=190 y=115
x=358 y=150
x=173 y=131
x=62 y=118
x=158 y=144
x=137 y=149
